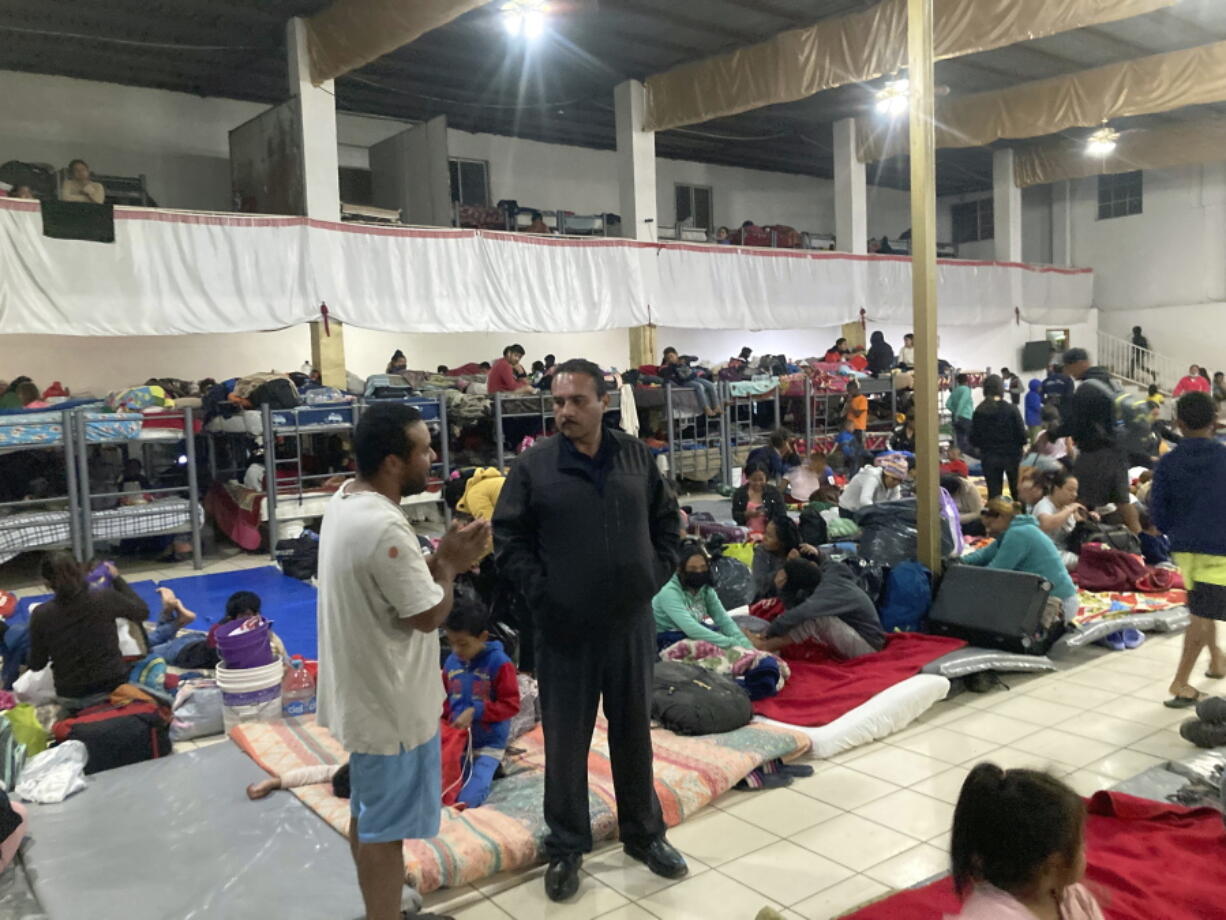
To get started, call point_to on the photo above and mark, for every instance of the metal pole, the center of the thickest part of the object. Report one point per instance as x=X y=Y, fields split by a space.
x=668 y=427
x=725 y=440
x=74 y=496
x=809 y=416
x=270 y=478
x=498 y=434
x=924 y=279
x=193 y=488
x=444 y=450
x=82 y=451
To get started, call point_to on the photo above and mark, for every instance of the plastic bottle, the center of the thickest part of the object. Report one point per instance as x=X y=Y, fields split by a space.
x=297 y=691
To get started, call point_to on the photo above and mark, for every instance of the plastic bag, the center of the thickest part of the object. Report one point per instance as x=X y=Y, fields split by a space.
x=733 y=582
x=889 y=535
x=36 y=687
x=197 y=710
x=55 y=774
x=26 y=729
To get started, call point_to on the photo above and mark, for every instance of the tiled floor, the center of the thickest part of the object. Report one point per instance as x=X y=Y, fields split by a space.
x=870 y=820
x=879 y=818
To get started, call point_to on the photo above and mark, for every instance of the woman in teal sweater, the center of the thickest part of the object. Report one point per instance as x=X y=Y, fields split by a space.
x=687 y=607
x=1021 y=546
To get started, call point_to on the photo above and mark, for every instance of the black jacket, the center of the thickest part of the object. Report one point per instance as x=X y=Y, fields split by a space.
x=997 y=428
x=586 y=557
x=880 y=358
x=772 y=503
x=1089 y=418
x=838 y=595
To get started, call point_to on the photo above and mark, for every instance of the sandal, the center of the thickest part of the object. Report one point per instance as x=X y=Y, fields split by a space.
x=1179 y=701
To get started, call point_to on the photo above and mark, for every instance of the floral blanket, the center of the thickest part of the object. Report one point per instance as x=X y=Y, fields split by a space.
x=735 y=662
x=508 y=830
x=1106 y=605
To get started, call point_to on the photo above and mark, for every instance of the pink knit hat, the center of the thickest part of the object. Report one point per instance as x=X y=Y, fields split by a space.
x=895 y=465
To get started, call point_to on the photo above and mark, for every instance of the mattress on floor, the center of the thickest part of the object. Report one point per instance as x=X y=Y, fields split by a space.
x=890 y=711
x=507 y=832
x=177 y=837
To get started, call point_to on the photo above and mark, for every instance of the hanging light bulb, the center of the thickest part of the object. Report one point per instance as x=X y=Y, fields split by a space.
x=524 y=17
x=1102 y=142
x=894 y=98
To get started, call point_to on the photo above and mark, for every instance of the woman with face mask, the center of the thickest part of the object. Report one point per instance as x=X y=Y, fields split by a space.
x=687 y=607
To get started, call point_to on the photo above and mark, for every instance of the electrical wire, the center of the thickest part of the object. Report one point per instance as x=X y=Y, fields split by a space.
x=173 y=46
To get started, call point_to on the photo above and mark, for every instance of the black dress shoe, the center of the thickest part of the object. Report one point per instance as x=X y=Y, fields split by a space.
x=562 y=878
x=660 y=857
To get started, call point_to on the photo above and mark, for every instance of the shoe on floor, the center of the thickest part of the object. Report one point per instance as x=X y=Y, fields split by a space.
x=1212 y=709
x=1203 y=734
x=1133 y=638
x=562 y=878
x=660 y=857
x=1115 y=641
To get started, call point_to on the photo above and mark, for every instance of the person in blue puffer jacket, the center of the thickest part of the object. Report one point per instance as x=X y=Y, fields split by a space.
x=482 y=695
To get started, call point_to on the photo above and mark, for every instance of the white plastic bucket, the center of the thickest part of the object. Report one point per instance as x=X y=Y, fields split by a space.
x=250 y=694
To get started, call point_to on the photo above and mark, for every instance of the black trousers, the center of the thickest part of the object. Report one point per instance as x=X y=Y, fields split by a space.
x=996 y=467
x=573 y=676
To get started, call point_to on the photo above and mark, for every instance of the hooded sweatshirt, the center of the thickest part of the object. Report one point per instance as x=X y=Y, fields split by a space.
x=1188 y=498
x=880 y=355
x=1025 y=548
x=481 y=493
x=1034 y=403
x=996 y=428
x=1090 y=420
x=487 y=685
x=838 y=595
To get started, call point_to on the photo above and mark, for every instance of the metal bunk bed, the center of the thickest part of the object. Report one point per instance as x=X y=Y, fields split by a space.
x=744 y=433
x=23 y=531
x=823 y=418
x=171 y=514
x=529 y=405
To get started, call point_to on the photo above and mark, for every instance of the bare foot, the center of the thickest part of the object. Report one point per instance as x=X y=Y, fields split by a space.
x=185 y=616
x=263 y=788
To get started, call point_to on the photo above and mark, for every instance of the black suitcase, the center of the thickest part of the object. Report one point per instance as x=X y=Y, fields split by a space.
x=995 y=608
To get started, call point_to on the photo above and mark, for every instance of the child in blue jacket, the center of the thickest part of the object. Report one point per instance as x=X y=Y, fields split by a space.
x=482 y=695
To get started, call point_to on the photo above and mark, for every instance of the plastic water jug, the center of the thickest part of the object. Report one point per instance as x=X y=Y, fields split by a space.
x=298 y=691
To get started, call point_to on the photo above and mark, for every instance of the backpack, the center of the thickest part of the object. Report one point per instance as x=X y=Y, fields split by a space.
x=813 y=527
x=116 y=736
x=299 y=557
x=690 y=700
x=907 y=597
x=1131 y=412
x=279 y=393
x=1113 y=536
x=387 y=386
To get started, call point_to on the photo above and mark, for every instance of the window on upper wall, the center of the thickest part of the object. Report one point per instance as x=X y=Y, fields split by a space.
x=470 y=182
x=1120 y=195
x=694 y=207
x=973 y=221
x=356 y=185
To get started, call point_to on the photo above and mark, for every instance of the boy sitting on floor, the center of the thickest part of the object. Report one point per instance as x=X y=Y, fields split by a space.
x=482 y=695
x=240 y=605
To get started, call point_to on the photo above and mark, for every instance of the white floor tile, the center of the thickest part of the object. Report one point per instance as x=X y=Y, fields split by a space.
x=786 y=872
x=844 y=787
x=448 y=900
x=854 y=841
x=716 y=837
x=483 y=910
x=1076 y=695
x=1103 y=727
x=629 y=877
x=991 y=726
x=1165 y=744
x=948 y=745
x=504 y=881
x=1134 y=665
x=909 y=868
x=1065 y=747
x=1086 y=783
x=898 y=766
x=1008 y=758
x=945 y=786
x=1146 y=711
x=628 y=912
x=919 y=816
x=1123 y=764
x=841 y=898
x=1028 y=708
x=781 y=811
x=529 y=902
x=711 y=895
x=941 y=841
x=1102 y=679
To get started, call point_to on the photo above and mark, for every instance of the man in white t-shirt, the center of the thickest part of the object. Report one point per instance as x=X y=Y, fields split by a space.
x=380 y=606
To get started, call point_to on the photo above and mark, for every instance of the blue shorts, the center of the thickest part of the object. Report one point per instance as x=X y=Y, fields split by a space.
x=397 y=796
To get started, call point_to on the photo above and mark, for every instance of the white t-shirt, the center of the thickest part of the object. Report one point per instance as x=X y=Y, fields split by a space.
x=379 y=685
x=1060 y=537
x=867 y=488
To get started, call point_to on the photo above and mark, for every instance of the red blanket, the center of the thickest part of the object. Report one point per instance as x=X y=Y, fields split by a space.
x=1147 y=860
x=823 y=688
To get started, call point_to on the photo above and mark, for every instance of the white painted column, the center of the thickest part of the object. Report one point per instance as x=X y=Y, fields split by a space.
x=317 y=126
x=850 y=191
x=1007 y=208
x=1062 y=223
x=636 y=162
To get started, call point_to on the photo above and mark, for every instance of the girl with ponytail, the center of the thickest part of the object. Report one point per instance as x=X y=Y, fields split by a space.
x=1018 y=848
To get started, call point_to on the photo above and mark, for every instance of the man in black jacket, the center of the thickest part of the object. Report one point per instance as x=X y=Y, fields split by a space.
x=1101 y=466
x=588 y=529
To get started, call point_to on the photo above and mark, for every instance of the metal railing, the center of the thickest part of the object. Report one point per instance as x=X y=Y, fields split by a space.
x=1140 y=366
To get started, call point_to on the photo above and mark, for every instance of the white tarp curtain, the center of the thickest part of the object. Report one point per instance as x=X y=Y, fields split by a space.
x=171 y=273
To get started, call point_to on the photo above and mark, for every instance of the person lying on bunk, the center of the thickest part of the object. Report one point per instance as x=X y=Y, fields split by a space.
x=781 y=541
x=823 y=603
x=687 y=607
x=75 y=631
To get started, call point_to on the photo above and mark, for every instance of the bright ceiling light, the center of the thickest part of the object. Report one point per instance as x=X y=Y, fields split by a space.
x=524 y=17
x=1102 y=142
x=894 y=98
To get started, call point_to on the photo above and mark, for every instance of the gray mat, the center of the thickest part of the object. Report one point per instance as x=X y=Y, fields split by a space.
x=178 y=838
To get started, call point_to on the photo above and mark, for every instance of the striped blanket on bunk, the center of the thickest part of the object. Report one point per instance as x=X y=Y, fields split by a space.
x=507 y=832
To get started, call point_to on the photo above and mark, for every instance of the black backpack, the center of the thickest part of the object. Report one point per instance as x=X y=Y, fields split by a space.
x=299 y=557
x=813 y=527
x=279 y=393
x=690 y=700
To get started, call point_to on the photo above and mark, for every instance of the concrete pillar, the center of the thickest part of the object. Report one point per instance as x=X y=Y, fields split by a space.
x=1062 y=223
x=1006 y=207
x=636 y=162
x=328 y=354
x=644 y=346
x=850 y=191
x=317 y=127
